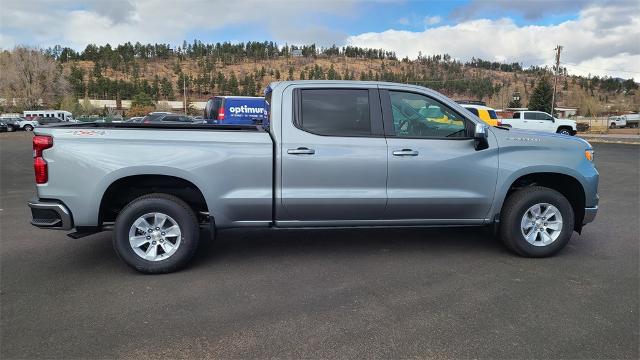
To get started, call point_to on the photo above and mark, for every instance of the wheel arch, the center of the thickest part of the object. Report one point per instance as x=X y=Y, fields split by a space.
x=127 y=188
x=566 y=184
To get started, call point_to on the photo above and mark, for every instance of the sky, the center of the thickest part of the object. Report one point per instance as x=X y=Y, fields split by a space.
x=599 y=37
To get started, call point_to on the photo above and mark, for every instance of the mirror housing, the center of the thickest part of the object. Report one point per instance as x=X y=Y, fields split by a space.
x=481 y=137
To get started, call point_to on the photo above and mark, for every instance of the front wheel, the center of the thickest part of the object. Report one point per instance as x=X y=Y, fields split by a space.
x=612 y=126
x=156 y=233
x=565 y=131
x=10 y=128
x=28 y=127
x=536 y=222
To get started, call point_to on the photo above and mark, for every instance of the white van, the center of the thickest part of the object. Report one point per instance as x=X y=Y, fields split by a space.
x=60 y=114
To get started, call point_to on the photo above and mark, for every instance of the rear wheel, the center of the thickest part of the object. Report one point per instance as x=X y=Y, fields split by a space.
x=536 y=222
x=156 y=233
x=28 y=127
x=10 y=128
x=612 y=126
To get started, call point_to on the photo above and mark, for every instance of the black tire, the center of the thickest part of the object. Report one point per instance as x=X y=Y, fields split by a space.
x=612 y=126
x=10 y=128
x=565 y=131
x=514 y=209
x=171 y=206
x=28 y=127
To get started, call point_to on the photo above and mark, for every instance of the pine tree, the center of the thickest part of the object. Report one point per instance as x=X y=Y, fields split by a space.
x=166 y=88
x=332 y=74
x=232 y=85
x=514 y=103
x=541 y=97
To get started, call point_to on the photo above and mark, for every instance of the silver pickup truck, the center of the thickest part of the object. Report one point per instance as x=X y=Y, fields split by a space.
x=333 y=154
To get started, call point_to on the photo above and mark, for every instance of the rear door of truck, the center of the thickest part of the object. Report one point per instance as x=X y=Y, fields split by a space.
x=334 y=161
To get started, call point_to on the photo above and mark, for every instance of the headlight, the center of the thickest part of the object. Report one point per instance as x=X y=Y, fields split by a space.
x=589 y=154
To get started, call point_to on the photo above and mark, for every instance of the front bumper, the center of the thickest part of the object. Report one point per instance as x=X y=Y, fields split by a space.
x=50 y=215
x=589 y=214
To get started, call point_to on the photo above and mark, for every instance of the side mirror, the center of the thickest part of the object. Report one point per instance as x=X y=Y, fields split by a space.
x=481 y=137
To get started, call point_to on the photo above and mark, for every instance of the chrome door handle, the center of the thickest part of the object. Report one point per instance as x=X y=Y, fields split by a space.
x=405 y=152
x=301 y=151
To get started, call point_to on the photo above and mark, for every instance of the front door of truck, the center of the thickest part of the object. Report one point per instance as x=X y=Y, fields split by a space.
x=435 y=174
x=334 y=158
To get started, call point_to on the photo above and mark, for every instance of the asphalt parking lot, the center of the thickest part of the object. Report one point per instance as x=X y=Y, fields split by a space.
x=409 y=293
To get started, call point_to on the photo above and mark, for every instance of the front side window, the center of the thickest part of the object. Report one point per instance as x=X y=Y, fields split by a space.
x=335 y=112
x=544 y=116
x=416 y=115
x=492 y=114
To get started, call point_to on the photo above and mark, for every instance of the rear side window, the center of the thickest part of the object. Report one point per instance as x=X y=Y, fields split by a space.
x=531 y=116
x=516 y=115
x=336 y=112
x=492 y=114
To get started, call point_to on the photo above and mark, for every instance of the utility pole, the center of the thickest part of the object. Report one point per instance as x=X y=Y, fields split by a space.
x=558 y=49
x=184 y=93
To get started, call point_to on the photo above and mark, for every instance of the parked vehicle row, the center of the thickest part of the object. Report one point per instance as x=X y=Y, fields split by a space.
x=335 y=154
x=18 y=123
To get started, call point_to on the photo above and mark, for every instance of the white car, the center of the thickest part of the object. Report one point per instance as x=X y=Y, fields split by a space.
x=28 y=125
x=540 y=121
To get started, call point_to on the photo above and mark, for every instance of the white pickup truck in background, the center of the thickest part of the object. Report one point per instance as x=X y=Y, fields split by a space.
x=540 y=121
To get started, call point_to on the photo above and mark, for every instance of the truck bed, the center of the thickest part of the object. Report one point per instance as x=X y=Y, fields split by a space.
x=231 y=165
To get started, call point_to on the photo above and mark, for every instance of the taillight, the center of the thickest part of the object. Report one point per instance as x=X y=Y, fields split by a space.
x=41 y=170
x=221 y=114
x=40 y=143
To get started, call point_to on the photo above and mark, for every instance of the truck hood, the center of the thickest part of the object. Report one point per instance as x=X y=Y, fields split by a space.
x=530 y=137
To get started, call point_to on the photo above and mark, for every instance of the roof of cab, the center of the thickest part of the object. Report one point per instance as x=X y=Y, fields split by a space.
x=275 y=84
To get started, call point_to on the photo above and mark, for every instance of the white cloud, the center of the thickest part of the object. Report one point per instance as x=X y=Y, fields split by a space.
x=529 y=9
x=601 y=37
x=77 y=23
x=432 y=20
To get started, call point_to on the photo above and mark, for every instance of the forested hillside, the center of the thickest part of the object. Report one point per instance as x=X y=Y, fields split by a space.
x=162 y=71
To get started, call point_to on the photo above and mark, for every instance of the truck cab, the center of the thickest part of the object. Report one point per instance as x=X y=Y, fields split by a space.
x=540 y=121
